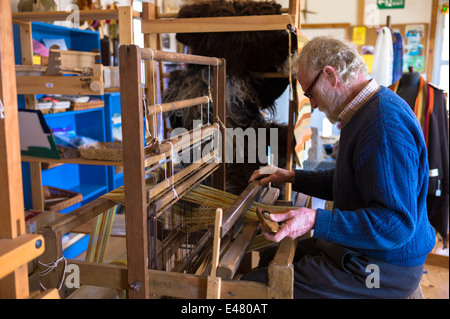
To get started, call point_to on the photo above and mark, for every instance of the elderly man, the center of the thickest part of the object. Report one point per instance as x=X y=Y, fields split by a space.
x=375 y=240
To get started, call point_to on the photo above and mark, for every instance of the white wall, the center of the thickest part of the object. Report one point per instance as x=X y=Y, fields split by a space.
x=414 y=11
x=346 y=11
x=328 y=11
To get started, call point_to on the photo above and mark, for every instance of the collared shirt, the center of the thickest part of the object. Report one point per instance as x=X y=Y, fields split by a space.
x=362 y=97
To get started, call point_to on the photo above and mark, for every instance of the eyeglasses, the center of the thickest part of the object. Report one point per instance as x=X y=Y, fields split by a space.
x=308 y=90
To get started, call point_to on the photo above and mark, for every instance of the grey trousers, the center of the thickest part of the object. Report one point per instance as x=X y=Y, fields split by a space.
x=327 y=270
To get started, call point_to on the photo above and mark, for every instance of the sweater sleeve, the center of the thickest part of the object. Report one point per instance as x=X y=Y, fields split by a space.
x=390 y=178
x=314 y=183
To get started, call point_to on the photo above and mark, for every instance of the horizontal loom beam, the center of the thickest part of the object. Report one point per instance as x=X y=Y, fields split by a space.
x=173 y=106
x=218 y=24
x=166 y=56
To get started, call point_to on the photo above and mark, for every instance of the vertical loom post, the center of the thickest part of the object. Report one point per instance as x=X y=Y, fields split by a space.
x=290 y=142
x=53 y=253
x=281 y=271
x=150 y=41
x=26 y=44
x=134 y=170
x=12 y=219
x=126 y=24
x=219 y=102
x=214 y=282
x=295 y=13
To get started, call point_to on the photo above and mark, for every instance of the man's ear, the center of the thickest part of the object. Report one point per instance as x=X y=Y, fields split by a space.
x=331 y=74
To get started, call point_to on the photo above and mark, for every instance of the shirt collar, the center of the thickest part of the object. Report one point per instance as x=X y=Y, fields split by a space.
x=362 y=97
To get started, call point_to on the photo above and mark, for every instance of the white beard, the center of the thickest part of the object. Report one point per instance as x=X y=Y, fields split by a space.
x=331 y=103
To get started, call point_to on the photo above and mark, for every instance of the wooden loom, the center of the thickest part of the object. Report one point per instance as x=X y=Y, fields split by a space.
x=155 y=23
x=281 y=271
x=145 y=274
x=16 y=247
x=87 y=71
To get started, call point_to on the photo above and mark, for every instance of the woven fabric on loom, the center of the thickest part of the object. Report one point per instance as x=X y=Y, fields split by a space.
x=196 y=210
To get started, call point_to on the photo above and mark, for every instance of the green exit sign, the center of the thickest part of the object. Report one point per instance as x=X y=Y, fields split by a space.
x=391 y=4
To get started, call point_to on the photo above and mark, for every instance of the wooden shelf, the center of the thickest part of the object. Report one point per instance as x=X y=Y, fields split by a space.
x=31 y=85
x=78 y=160
x=217 y=24
x=63 y=15
x=68 y=85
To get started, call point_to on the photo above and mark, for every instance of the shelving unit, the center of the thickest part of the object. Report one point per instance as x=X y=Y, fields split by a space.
x=113 y=121
x=89 y=177
x=16 y=247
x=89 y=180
x=133 y=237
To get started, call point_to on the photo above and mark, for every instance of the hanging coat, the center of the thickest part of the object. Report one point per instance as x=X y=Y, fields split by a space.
x=430 y=110
x=397 y=68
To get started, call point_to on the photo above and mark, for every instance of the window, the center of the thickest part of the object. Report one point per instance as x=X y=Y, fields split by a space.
x=441 y=65
x=443 y=79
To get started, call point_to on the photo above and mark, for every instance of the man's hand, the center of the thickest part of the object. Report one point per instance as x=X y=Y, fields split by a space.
x=297 y=222
x=273 y=175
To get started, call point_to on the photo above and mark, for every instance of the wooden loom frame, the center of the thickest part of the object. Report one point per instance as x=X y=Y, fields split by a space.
x=119 y=277
x=16 y=247
x=135 y=163
x=136 y=277
x=155 y=23
x=138 y=226
x=143 y=282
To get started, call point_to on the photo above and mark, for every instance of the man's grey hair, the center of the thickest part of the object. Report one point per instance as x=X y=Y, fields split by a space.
x=326 y=50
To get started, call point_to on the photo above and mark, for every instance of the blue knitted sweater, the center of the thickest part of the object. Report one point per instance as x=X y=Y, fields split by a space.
x=379 y=185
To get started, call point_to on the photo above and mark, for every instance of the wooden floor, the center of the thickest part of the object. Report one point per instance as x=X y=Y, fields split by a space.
x=435 y=280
